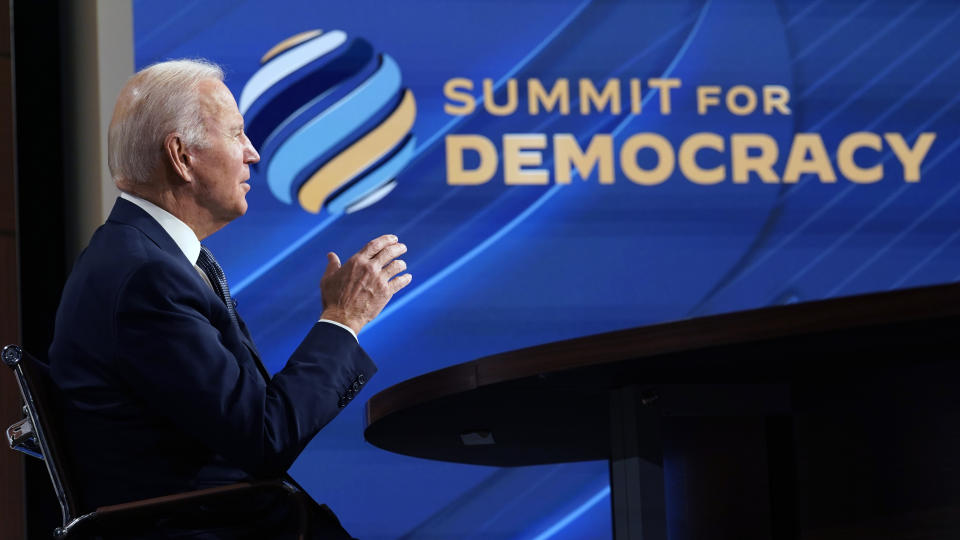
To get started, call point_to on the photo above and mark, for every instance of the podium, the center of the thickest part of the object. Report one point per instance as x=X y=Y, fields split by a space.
x=835 y=419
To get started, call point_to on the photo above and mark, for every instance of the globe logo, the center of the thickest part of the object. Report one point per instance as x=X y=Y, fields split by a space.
x=331 y=121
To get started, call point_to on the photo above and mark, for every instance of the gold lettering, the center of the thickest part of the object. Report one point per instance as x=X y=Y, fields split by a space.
x=559 y=92
x=846 y=150
x=610 y=94
x=492 y=107
x=746 y=108
x=567 y=154
x=910 y=158
x=762 y=164
x=706 y=96
x=516 y=154
x=688 y=159
x=456 y=174
x=819 y=162
x=452 y=91
x=776 y=97
x=664 y=86
x=665 y=159
x=636 y=98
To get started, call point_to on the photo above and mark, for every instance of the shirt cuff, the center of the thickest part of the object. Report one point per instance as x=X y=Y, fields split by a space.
x=345 y=327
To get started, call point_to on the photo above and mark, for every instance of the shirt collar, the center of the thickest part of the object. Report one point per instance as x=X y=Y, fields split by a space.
x=180 y=232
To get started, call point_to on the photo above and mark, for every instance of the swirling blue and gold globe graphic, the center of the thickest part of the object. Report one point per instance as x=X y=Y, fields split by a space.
x=331 y=121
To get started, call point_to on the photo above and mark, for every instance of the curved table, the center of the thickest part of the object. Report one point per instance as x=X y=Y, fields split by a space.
x=828 y=419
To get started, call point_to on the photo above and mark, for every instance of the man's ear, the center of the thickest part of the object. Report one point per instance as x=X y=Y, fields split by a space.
x=178 y=156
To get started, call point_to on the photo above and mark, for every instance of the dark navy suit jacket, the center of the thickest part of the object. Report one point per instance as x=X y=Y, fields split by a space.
x=162 y=393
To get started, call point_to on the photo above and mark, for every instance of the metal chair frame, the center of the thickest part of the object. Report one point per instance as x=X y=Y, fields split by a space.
x=29 y=437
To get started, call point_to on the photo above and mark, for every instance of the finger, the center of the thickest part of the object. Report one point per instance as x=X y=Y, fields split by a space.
x=333 y=264
x=377 y=244
x=399 y=282
x=389 y=253
x=394 y=268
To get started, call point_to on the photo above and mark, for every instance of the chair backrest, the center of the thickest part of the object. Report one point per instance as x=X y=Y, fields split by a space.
x=43 y=409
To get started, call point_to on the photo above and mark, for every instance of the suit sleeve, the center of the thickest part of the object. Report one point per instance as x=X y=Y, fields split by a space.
x=181 y=366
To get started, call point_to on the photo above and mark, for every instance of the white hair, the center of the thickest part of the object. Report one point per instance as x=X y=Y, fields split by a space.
x=156 y=101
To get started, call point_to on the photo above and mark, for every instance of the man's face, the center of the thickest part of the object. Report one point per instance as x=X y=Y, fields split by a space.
x=221 y=168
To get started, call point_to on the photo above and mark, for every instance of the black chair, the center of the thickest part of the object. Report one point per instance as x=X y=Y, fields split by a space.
x=37 y=435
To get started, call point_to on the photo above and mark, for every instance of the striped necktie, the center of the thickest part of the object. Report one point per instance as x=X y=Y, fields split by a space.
x=214 y=273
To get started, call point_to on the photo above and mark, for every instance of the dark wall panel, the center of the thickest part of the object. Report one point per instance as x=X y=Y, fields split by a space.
x=12 y=526
x=37 y=99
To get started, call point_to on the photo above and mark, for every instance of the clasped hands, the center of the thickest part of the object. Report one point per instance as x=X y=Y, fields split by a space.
x=356 y=291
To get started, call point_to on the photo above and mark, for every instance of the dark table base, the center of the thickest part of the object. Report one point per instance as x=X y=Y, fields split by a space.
x=873 y=460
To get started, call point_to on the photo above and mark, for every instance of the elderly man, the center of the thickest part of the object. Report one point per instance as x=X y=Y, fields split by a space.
x=164 y=389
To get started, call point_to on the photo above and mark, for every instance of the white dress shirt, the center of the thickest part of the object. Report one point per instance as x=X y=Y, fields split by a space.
x=187 y=240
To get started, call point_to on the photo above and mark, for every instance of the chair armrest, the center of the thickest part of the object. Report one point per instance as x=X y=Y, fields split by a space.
x=137 y=512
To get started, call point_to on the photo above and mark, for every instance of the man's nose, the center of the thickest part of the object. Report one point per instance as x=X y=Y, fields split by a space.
x=250 y=154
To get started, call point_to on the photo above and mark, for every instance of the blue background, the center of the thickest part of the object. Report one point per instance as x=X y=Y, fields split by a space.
x=500 y=267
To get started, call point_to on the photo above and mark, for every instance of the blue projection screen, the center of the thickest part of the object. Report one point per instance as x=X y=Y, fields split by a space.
x=562 y=168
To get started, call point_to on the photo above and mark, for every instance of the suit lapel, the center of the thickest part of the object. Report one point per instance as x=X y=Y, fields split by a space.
x=127 y=213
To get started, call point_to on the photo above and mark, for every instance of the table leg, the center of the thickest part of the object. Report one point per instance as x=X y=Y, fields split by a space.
x=636 y=484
